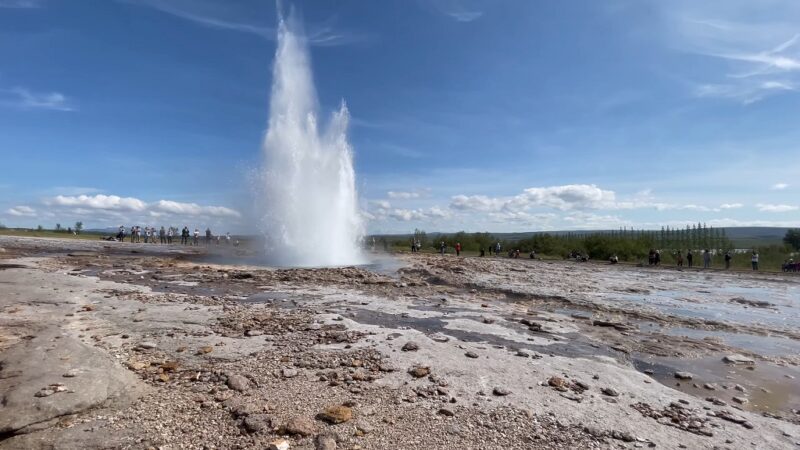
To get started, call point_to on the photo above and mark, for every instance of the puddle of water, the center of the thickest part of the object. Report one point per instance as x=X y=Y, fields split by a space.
x=762 y=345
x=767 y=387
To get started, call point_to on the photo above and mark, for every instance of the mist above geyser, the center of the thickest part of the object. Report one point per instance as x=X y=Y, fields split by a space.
x=307 y=193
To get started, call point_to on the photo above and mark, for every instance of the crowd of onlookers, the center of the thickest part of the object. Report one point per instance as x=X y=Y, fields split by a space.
x=166 y=235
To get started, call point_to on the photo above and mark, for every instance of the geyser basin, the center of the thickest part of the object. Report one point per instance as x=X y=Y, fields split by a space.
x=307 y=183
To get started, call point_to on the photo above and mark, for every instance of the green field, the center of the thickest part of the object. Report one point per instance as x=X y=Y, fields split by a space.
x=24 y=232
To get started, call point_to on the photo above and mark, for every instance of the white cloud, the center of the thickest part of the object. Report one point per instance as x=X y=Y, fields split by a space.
x=730 y=206
x=22 y=211
x=223 y=16
x=192 y=209
x=567 y=197
x=779 y=186
x=776 y=208
x=114 y=205
x=382 y=204
x=407 y=215
x=755 y=48
x=458 y=10
x=403 y=195
x=99 y=201
x=20 y=3
x=23 y=98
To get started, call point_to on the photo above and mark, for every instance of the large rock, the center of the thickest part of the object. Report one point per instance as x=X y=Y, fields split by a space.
x=26 y=368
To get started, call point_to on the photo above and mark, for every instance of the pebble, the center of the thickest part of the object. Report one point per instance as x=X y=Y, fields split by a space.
x=609 y=391
x=147 y=345
x=410 y=346
x=300 y=426
x=419 y=371
x=252 y=333
x=280 y=444
x=740 y=400
x=501 y=392
x=289 y=373
x=325 y=442
x=471 y=355
x=683 y=375
x=256 y=423
x=738 y=359
x=336 y=414
x=447 y=412
x=238 y=383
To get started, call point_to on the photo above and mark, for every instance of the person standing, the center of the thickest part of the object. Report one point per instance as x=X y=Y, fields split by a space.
x=442 y=248
x=706 y=259
x=754 y=260
x=228 y=238
x=162 y=233
x=169 y=235
x=728 y=258
x=679 y=259
x=458 y=248
x=208 y=237
x=184 y=235
x=689 y=258
x=196 y=240
x=497 y=249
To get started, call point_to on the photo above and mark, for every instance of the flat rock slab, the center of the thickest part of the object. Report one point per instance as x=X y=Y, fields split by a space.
x=30 y=366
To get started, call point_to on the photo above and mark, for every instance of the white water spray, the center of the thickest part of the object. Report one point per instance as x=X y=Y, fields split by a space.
x=311 y=215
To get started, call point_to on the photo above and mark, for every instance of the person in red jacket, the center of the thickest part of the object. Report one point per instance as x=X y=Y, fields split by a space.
x=458 y=248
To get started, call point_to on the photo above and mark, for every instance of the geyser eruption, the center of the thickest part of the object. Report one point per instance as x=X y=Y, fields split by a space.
x=311 y=215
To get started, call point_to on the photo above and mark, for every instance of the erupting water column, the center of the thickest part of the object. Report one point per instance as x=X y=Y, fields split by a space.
x=308 y=182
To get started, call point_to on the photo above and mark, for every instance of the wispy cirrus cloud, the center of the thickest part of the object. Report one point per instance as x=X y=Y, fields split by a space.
x=458 y=10
x=23 y=98
x=222 y=17
x=753 y=50
x=20 y=4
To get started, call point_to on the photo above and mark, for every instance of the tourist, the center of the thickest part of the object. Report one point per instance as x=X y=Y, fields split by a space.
x=196 y=240
x=169 y=235
x=533 y=254
x=146 y=235
x=728 y=258
x=679 y=258
x=217 y=239
x=458 y=248
x=497 y=249
x=706 y=259
x=442 y=247
x=227 y=239
x=184 y=235
x=613 y=259
x=754 y=260
x=483 y=252
x=657 y=258
x=121 y=233
x=208 y=236
x=413 y=246
x=651 y=257
x=689 y=257
x=162 y=234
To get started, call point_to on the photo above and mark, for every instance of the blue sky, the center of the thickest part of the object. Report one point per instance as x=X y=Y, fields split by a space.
x=474 y=115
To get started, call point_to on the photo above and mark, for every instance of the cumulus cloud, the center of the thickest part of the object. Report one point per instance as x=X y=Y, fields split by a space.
x=730 y=206
x=114 y=205
x=765 y=207
x=192 y=209
x=407 y=215
x=99 y=201
x=779 y=186
x=383 y=204
x=22 y=211
x=567 y=197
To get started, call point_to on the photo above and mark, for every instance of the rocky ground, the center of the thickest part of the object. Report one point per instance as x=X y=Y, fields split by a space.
x=107 y=345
